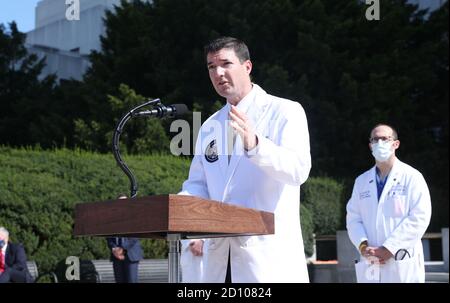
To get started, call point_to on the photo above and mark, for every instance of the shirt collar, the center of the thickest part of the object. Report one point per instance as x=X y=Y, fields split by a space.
x=378 y=178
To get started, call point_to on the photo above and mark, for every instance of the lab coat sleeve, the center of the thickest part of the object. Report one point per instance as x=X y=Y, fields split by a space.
x=288 y=160
x=413 y=227
x=355 y=227
x=196 y=184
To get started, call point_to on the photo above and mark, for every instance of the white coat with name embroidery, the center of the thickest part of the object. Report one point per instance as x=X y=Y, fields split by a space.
x=397 y=221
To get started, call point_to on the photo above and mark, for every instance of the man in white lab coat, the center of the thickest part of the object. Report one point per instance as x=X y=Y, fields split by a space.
x=268 y=159
x=387 y=215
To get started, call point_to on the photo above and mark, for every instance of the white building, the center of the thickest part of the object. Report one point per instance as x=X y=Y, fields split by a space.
x=67 y=43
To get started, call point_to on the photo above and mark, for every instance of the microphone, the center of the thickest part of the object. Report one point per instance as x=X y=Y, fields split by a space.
x=161 y=111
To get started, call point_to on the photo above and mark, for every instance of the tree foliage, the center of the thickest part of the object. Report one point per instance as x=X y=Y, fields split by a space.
x=140 y=135
x=324 y=198
x=26 y=102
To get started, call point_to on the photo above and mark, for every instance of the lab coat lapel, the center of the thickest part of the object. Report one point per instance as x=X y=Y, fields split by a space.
x=255 y=113
x=372 y=186
x=212 y=133
x=392 y=178
x=223 y=157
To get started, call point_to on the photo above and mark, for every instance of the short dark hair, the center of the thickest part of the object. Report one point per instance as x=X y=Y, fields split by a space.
x=394 y=131
x=237 y=45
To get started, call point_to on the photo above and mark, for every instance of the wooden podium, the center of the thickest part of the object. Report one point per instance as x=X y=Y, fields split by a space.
x=170 y=217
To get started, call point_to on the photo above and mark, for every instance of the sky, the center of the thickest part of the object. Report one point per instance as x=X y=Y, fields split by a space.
x=21 y=11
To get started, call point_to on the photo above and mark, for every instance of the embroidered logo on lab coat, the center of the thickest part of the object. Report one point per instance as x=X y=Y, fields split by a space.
x=211 y=152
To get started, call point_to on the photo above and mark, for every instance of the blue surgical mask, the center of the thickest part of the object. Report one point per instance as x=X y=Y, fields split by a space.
x=382 y=150
x=2 y=243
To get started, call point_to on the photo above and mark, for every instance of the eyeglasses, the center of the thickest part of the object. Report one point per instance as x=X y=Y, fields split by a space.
x=382 y=138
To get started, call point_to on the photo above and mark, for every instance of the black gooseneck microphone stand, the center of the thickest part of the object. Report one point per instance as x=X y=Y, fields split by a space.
x=115 y=144
x=173 y=239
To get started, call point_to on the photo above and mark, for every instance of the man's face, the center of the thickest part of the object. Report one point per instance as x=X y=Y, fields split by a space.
x=384 y=133
x=3 y=238
x=229 y=76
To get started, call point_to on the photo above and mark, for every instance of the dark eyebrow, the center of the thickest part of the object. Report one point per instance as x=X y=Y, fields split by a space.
x=223 y=60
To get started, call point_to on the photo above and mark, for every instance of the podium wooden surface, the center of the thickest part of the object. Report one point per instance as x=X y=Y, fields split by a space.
x=157 y=216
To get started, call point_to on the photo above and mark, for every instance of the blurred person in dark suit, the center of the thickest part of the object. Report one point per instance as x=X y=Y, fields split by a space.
x=13 y=260
x=125 y=255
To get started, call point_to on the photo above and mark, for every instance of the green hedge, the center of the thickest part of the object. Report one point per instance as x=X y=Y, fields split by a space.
x=324 y=197
x=307 y=223
x=38 y=191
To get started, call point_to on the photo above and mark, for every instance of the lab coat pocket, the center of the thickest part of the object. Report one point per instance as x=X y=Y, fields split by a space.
x=211 y=244
x=250 y=241
x=367 y=271
x=191 y=267
x=402 y=271
x=395 y=206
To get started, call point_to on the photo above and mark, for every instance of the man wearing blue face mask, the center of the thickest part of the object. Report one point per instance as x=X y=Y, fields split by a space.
x=387 y=215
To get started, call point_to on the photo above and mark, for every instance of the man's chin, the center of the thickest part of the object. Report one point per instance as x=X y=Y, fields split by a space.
x=223 y=92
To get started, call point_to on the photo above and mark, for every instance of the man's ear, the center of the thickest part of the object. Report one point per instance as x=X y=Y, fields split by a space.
x=248 y=66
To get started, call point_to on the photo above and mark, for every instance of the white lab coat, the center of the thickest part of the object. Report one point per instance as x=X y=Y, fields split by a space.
x=268 y=179
x=191 y=266
x=397 y=221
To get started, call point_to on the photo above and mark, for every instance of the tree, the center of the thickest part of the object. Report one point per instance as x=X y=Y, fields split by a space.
x=28 y=113
x=140 y=136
